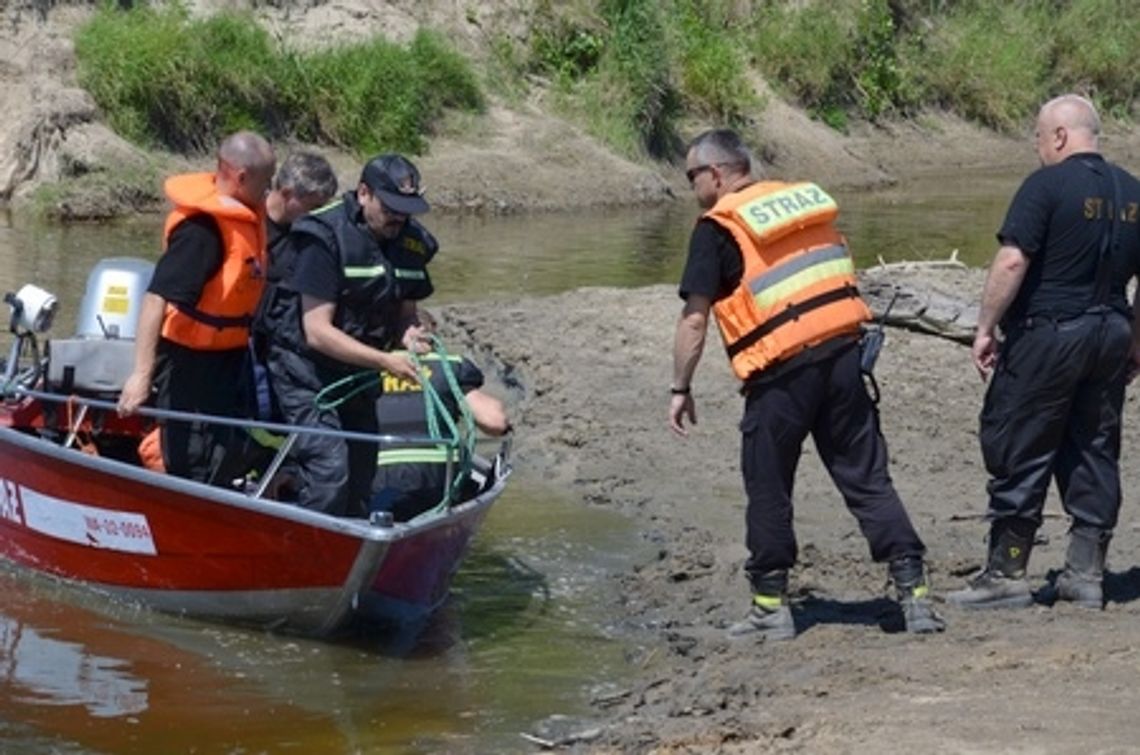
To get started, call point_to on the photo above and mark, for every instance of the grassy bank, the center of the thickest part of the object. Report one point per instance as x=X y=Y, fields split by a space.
x=630 y=71
x=167 y=80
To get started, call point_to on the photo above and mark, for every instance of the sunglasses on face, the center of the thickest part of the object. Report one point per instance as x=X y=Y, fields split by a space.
x=692 y=173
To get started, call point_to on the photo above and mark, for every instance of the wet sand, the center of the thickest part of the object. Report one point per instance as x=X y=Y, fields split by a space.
x=587 y=374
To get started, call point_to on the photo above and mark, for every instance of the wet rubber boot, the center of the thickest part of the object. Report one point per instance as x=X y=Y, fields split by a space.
x=1082 y=581
x=914 y=596
x=1002 y=583
x=770 y=616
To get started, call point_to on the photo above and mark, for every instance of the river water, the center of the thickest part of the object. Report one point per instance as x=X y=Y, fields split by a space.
x=525 y=635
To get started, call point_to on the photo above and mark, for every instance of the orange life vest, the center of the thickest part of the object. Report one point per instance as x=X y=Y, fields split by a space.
x=221 y=318
x=798 y=288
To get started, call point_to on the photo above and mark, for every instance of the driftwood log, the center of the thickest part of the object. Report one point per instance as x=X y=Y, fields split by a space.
x=939 y=297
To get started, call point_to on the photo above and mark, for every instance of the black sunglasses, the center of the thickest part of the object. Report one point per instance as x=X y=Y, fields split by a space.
x=692 y=173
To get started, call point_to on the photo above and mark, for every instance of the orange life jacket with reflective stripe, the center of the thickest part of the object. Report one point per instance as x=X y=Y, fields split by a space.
x=221 y=318
x=798 y=288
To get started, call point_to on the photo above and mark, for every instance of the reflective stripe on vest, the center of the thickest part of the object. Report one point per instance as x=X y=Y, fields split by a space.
x=790 y=313
x=364 y=272
x=416 y=456
x=801 y=272
x=798 y=287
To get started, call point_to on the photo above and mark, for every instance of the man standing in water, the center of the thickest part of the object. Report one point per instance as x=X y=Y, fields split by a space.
x=1069 y=245
x=766 y=260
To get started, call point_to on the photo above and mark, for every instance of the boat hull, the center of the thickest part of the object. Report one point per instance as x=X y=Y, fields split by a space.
x=200 y=551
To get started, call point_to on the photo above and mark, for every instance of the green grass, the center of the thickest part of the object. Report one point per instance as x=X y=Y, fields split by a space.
x=628 y=71
x=989 y=62
x=165 y=79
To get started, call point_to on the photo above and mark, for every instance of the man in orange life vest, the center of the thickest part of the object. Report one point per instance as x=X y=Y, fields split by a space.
x=193 y=331
x=766 y=260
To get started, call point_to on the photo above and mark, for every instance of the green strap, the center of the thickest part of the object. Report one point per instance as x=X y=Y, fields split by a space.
x=455 y=440
x=460 y=440
x=335 y=394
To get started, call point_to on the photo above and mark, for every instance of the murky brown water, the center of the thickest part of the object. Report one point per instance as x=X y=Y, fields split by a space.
x=525 y=635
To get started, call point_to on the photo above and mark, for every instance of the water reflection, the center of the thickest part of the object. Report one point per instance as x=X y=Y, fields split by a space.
x=44 y=670
x=523 y=638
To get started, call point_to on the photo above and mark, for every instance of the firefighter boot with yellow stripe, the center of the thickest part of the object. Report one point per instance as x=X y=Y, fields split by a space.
x=914 y=596
x=769 y=618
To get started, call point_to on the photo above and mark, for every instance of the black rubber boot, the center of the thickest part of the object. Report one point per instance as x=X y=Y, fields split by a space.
x=770 y=616
x=1082 y=581
x=914 y=596
x=1002 y=583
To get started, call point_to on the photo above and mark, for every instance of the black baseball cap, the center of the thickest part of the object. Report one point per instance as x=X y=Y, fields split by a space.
x=396 y=182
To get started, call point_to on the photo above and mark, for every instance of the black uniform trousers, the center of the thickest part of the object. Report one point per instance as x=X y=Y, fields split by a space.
x=1053 y=409
x=207 y=382
x=334 y=475
x=827 y=400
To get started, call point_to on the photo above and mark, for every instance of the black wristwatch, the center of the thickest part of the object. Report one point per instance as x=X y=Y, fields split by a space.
x=681 y=391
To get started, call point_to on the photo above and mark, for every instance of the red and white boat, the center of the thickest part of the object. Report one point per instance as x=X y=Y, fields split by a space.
x=76 y=505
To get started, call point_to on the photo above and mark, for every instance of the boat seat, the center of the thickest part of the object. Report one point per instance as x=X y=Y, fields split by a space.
x=91 y=366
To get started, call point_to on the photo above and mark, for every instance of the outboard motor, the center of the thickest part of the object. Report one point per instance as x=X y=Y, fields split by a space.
x=113 y=298
x=101 y=356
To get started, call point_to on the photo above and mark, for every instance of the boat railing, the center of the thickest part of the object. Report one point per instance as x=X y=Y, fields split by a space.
x=288 y=433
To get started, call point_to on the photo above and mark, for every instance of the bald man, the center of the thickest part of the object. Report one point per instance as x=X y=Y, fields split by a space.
x=193 y=331
x=1070 y=244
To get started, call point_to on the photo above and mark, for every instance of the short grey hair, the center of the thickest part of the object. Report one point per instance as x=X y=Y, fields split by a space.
x=306 y=174
x=722 y=146
x=1074 y=111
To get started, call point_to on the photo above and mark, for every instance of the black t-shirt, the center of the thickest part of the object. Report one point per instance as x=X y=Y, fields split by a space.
x=317 y=268
x=1059 y=218
x=714 y=268
x=193 y=255
x=714 y=265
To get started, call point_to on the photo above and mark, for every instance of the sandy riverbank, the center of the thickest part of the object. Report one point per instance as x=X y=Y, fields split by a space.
x=591 y=400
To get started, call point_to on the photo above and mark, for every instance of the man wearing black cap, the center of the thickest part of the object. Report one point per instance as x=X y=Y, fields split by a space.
x=361 y=265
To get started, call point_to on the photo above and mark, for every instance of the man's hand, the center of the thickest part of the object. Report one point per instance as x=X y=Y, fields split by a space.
x=985 y=353
x=399 y=366
x=680 y=406
x=136 y=392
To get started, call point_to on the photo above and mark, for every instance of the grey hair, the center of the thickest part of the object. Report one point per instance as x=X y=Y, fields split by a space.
x=1074 y=111
x=306 y=174
x=722 y=146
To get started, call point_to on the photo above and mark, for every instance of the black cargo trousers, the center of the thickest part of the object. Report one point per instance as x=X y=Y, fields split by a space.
x=334 y=474
x=1053 y=409
x=827 y=400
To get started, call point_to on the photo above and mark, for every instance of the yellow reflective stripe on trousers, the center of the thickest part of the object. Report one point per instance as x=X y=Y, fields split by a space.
x=767 y=296
x=410 y=273
x=415 y=456
x=265 y=438
x=364 y=272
